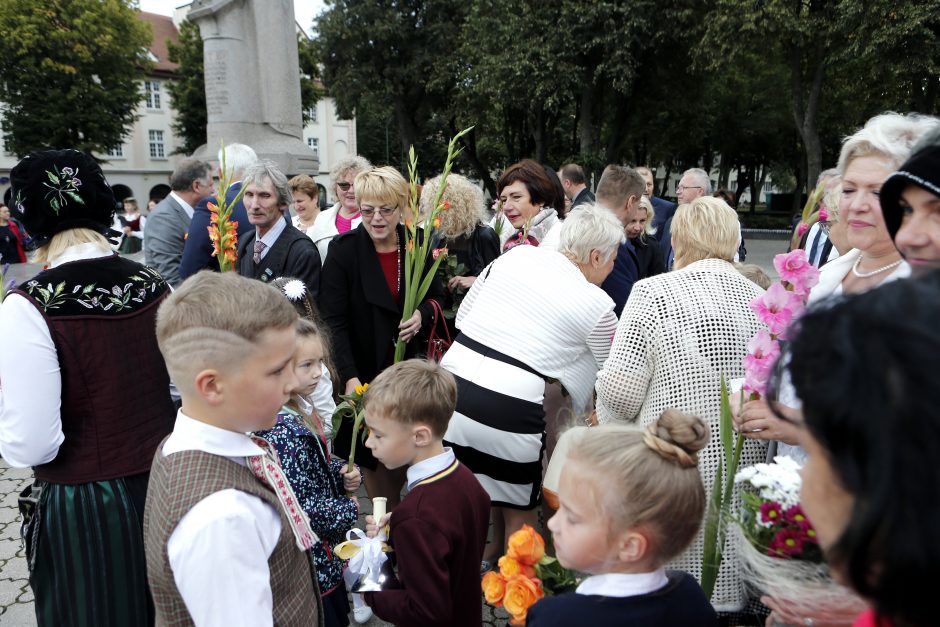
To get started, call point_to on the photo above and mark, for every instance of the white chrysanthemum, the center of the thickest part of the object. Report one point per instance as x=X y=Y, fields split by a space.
x=295 y=289
x=779 y=481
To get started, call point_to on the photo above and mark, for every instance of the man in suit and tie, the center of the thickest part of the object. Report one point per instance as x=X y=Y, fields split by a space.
x=662 y=209
x=197 y=254
x=275 y=248
x=575 y=184
x=168 y=223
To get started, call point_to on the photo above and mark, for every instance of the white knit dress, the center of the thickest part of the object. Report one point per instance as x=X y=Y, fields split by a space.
x=678 y=333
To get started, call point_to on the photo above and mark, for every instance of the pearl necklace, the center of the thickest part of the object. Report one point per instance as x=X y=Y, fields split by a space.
x=398 y=265
x=868 y=275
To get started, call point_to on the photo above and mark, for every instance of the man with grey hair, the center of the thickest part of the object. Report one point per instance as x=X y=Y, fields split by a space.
x=693 y=184
x=168 y=223
x=197 y=254
x=276 y=248
x=619 y=191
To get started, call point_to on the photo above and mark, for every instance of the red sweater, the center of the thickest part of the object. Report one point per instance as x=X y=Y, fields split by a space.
x=438 y=533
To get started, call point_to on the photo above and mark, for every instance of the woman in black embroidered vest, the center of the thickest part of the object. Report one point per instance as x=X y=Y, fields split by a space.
x=73 y=332
x=362 y=293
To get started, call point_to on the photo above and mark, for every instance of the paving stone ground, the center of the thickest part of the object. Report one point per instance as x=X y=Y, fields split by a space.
x=16 y=598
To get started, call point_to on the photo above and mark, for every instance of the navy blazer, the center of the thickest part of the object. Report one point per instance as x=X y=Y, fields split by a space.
x=197 y=252
x=584 y=196
x=663 y=210
x=621 y=279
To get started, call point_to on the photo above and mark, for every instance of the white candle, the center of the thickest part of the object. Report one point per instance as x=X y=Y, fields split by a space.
x=378 y=508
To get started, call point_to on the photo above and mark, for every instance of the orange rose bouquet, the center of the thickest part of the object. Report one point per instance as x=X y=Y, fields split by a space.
x=526 y=574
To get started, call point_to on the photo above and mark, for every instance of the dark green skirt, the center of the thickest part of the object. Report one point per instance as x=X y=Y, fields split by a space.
x=87 y=556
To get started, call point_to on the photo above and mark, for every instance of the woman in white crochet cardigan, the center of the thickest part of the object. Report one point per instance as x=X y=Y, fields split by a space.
x=533 y=314
x=678 y=334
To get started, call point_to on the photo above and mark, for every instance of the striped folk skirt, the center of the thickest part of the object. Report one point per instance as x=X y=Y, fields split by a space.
x=87 y=555
x=498 y=430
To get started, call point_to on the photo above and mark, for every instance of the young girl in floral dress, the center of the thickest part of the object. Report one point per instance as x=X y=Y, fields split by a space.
x=321 y=482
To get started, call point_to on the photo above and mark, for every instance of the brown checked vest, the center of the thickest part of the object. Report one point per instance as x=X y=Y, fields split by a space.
x=177 y=483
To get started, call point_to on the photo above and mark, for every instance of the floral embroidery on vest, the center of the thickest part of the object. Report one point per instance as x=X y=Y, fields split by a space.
x=118 y=298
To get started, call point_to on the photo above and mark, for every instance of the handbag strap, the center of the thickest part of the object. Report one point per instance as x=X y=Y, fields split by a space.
x=439 y=315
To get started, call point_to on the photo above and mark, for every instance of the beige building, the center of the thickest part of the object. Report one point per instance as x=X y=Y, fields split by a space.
x=143 y=163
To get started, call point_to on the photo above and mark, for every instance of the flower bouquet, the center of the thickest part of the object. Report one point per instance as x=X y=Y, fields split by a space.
x=776 y=308
x=223 y=231
x=526 y=574
x=351 y=409
x=778 y=552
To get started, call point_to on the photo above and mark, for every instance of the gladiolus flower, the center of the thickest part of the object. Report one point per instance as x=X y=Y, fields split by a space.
x=762 y=354
x=777 y=307
x=526 y=546
x=801 y=229
x=521 y=594
x=437 y=252
x=437 y=223
x=494 y=587
x=795 y=269
x=823 y=214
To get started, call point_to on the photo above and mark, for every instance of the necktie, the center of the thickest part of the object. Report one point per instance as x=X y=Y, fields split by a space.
x=259 y=248
x=268 y=471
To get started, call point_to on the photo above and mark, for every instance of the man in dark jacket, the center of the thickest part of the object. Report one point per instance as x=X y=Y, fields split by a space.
x=575 y=184
x=619 y=190
x=276 y=248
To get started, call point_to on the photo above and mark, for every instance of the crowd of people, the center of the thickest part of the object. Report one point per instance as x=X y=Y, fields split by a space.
x=179 y=420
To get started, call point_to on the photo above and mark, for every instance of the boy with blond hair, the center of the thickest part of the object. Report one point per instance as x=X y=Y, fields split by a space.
x=225 y=541
x=439 y=530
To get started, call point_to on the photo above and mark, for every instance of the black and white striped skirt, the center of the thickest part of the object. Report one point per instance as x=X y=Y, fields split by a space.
x=498 y=430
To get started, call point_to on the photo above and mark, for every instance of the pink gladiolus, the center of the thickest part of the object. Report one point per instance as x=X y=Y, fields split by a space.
x=801 y=229
x=823 y=214
x=796 y=271
x=762 y=354
x=753 y=383
x=777 y=308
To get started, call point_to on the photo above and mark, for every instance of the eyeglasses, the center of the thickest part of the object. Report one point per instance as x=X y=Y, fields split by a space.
x=680 y=188
x=367 y=212
x=344 y=186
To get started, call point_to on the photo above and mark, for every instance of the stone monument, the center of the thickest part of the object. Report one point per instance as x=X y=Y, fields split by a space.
x=253 y=80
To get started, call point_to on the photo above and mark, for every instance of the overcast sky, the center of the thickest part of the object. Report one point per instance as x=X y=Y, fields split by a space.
x=304 y=10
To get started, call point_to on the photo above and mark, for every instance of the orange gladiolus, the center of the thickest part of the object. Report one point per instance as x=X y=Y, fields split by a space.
x=526 y=546
x=494 y=587
x=508 y=567
x=437 y=223
x=521 y=594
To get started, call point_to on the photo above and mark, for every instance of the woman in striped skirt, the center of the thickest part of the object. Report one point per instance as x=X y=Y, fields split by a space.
x=533 y=315
x=85 y=398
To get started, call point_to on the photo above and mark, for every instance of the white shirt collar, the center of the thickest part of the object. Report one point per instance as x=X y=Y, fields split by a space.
x=88 y=250
x=623 y=584
x=429 y=467
x=185 y=205
x=190 y=434
x=273 y=233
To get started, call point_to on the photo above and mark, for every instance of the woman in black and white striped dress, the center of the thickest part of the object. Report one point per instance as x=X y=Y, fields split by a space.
x=534 y=314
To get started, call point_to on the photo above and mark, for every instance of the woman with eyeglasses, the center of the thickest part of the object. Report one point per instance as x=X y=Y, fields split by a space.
x=362 y=298
x=344 y=215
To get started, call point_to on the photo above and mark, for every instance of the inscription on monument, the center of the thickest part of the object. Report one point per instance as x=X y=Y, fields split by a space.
x=216 y=72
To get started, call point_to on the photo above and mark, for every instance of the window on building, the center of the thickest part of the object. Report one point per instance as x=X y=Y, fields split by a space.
x=157 y=147
x=312 y=115
x=314 y=144
x=117 y=152
x=152 y=94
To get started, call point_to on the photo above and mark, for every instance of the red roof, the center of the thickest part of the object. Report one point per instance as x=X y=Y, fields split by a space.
x=163 y=29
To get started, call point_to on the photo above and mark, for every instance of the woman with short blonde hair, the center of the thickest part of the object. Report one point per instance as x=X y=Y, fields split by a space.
x=640 y=230
x=706 y=228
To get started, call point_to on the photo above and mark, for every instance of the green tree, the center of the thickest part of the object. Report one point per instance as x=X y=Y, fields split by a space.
x=188 y=89
x=70 y=73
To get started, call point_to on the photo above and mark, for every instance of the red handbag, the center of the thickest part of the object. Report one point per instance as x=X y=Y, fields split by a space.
x=438 y=343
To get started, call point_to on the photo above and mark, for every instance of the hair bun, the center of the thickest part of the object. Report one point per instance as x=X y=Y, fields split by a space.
x=677 y=436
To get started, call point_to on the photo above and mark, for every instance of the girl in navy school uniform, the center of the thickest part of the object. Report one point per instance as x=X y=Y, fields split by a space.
x=320 y=481
x=630 y=500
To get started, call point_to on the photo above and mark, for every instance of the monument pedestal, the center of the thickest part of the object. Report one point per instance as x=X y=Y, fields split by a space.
x=252 y=74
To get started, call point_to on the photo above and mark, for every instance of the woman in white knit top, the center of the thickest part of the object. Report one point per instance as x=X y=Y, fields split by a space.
x=678 y=334
x=533 y=314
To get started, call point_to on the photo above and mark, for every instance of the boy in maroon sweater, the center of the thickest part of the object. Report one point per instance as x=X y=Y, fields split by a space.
x=439 y=530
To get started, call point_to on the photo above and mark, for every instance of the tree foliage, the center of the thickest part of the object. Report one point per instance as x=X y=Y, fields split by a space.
x=70 y=73
x=188 y=89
